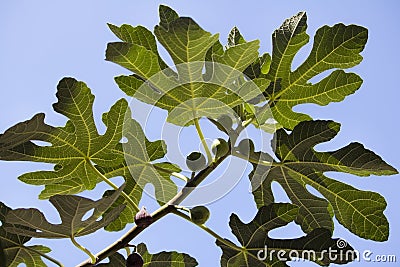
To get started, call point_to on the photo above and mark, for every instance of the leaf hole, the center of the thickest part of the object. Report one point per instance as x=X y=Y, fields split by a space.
x=88 y=214
x=164 y=54
x=313 y=191
x=301 y=56
x=123 y=140
x=317 y=78
x=41 y=143
x=291 y=230
x=279 y=193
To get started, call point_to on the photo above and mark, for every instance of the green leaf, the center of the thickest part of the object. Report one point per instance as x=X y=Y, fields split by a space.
x=300 y=165
x=235 y=37
x=139 y=169
x=254 y=238
x=166 y=259
x=161 y=259
x=77 y=146
x=183 y=38
x=71 y=210
x=137 y=35
x=13 y=251
x=337 y=47
x=259 y=68
x=73 y=148
x=167 y=15
x=164 y=187
x=190 y=94
x=116 y=260
x=139 y=153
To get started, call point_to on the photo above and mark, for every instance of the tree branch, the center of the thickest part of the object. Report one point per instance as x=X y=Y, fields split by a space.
x=157 y=215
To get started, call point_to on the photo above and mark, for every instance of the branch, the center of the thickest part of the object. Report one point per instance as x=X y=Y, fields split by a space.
x=157 y=215
x=203 y=141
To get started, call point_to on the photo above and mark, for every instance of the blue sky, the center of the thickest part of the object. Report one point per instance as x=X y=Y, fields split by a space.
x=43 y=41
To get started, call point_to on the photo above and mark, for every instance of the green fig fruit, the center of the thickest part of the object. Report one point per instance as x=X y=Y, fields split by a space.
x=199 y=214
x=196 y=161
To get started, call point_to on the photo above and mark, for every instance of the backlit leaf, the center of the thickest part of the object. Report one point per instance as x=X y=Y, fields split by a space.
x=258 y=249
x=300 y=165
x=73 y=148
x=71 y=210
x=335 y=47
x=187 y=94
x=13 y=251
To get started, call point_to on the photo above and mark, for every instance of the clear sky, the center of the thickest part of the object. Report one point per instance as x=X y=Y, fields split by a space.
x=43 y=41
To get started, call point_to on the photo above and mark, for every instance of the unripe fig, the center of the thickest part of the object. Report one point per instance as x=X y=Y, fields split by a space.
x=134 y=260
x=219 y=147
x=143 y=218
x=199 y=214
x=246 y=147
x=196 y=161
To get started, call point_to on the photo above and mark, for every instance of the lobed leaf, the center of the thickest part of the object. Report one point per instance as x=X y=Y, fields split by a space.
x=33 y=223
x=73 y=148
x=13 y=250
x=187 y=94
x=337 y=47
x=79 y=152
x=258 y=249
x=300 y=165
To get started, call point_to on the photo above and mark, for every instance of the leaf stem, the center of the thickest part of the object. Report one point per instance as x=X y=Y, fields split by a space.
x=203 y=141
x=44 y=255
x=247 y=122
x=180 y=176
x=76 y=244
x=114 y=186
x=208 y=230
